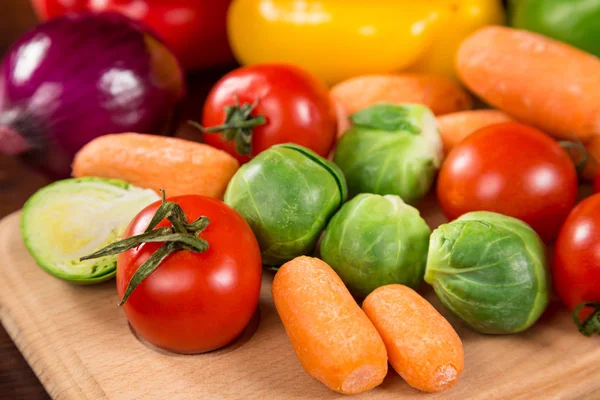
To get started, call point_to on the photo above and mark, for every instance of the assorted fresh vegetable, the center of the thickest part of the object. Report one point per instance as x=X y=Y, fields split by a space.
x=374 y=241
x=490 y=271
x=196 y=30
x=422 y=346
x=511 y=169
x=68 y=219
x=81 y=76
x=189 y=268
x=320 y=316
x=338 y=40
x=574 y=21
x=175 y=165
x=182 y=285
x=576 y=263
x=253 y=108
x=287 y=194
x=391 y=149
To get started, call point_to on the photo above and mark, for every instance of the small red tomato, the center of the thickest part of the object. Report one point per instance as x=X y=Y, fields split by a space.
x=194 y=302
x=512 y=169
x=597 y=183
x=294 y=103
x=576 y=264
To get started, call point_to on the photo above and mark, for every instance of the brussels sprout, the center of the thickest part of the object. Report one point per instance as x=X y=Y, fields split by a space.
x=374 y=241
x=391 y=149
x=287 y=194
x=490 y=271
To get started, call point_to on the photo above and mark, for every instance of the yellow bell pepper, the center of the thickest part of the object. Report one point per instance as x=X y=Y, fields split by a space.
x=338 y=39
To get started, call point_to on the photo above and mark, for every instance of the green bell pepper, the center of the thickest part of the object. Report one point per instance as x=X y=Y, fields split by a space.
x=576 y=22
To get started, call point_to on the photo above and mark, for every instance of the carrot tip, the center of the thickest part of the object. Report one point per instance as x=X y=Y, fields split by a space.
x=360 y=379
x=445 y=376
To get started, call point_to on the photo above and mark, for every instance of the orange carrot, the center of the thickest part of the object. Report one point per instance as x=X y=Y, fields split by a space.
x=442 y=95
x=457 y=126
x=422 y=346
x=537 y=80
x=157 y=162
x=332 y=337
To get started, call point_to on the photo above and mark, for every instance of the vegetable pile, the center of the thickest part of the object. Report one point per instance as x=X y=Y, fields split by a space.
x=323 y=184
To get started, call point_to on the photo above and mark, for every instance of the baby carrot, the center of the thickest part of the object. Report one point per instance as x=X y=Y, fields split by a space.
x=422 y=346
x=156 y=162
x=332 y=337
x=537 y=80
x=442 y=95
x=457 y=126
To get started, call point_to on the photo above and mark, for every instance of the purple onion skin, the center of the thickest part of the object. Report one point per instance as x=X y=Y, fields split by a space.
x=81 y=76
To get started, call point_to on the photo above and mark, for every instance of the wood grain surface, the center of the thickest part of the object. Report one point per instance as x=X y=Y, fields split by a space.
x=17 y=380
x=79 y=343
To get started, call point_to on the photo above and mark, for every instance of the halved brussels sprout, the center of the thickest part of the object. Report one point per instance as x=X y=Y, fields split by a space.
x=374 y=241
x=287 y=194
x=391 y=149
x=489 y=270
x=71 y=218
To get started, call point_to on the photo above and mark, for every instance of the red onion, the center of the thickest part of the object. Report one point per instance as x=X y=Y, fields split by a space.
x=81 y=76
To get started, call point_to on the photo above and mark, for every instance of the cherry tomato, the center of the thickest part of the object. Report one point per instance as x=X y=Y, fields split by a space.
x=294 y=103
x=576 y=264
x=194 y=302
x=597 y=183
x=512 y=169
x=196 y=30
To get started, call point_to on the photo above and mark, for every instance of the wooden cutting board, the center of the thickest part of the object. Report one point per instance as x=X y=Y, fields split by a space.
x=78 y=342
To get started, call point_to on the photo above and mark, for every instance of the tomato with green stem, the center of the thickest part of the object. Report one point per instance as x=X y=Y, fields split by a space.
x=188 y=273
x=255 y=107
x=512 y=169
x=576 y=264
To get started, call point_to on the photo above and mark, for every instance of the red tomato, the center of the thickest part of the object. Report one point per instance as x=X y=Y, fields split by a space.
x=194 y=302
x=512 y=169
x=196 y=30
x=576 y=264
x=295 y=103
x=597 y=183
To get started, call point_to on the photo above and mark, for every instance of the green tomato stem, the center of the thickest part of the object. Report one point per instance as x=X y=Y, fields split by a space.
x=577 y=152
x=591 y=324
x=238 y=126
x=180 y=236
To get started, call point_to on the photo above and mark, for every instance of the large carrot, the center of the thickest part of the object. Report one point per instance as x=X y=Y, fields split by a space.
x=538 y=80
x=457 y=126
x=442 y=95
x=332 y=337
x=422 y=346
x=157 y=162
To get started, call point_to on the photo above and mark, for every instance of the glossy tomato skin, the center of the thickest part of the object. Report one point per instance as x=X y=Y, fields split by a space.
x=194 y=302
x=576 y=264
x=196 y=30
x=597 y=183
x=295 y=103
x=511 y=169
